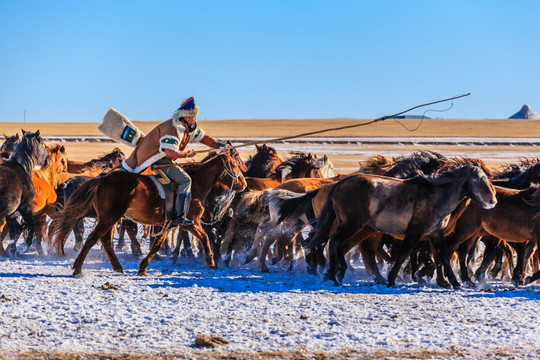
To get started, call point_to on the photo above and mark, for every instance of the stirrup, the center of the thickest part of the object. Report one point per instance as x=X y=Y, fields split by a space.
x=182 y=221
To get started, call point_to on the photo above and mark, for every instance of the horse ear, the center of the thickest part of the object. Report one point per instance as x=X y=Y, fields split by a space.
x=23 y=132
x=37 y=133
x=5 y=136
x=310 y=156
x=265 y=147
x=62 y=149
x=325 y=158
x=257 y=147
x=17 y=136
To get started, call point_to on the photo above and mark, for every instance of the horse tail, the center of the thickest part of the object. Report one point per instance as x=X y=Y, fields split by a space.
x=284 y=204
x=321 y=229
x=77 y=206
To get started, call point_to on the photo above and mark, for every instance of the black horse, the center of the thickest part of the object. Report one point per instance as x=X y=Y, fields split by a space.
x=16 y=189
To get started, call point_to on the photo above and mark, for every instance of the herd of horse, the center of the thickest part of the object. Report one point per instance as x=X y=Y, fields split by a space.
x=416 y=213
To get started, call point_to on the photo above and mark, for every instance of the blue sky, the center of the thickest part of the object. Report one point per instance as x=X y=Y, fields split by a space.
x=71 y=60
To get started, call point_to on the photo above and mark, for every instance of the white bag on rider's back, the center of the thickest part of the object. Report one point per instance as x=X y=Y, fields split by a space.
x=118 y=127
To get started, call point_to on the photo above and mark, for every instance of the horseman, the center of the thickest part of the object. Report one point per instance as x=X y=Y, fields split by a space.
x=167 y=142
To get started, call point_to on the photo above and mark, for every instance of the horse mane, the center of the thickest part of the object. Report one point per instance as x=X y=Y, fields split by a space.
x=109 y=156
x=450 y=164
x=289 y=165
x=426 y=162
x=452 y=170
x=48 y=172
x=509 y=171
x=377 y=162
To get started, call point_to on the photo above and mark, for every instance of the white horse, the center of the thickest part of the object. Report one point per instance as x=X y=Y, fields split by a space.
x=325 y=165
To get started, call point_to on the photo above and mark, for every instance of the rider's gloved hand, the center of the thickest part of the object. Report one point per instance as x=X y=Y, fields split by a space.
x=219 y=145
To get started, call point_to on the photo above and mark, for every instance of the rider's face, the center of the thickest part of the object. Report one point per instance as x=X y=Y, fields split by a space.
x=190 y=119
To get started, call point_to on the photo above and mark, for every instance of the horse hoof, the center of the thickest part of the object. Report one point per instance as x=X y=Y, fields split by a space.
x=265 y=270
x=469 y=283
x=119 y=270
x=141 y=272
x=527 y=280
x=273 y=261
x=77 y=273
x=380 y=281
x=516 y=282
x=77 y=247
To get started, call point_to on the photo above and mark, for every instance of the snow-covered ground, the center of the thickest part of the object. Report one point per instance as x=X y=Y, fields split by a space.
x=44 y=309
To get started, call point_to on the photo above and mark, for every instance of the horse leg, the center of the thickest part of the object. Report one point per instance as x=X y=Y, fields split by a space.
x=491 y=242
x=30 y=224
x=198 y=231
x=103 y=227
x=78 y=231
x=410 y=240
x=496 y=269
x=121 y=235
x=265 y=234
x=183 y=239
x=41 y=223
x=15 y=229
x=441 y=252
x=132 y=231
x=463 y=253
x=106 y=241
x=154 y=248
x=337 y=241
x=3 y=234
x=524 y=251
x=368 y=249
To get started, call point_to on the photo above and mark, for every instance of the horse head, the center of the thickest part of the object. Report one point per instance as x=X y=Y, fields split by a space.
x=10 y=143
x=236 y=155
x=479 y=188
x=325 y=166
x=30 y=152
x=58 y=158
x=232 y=173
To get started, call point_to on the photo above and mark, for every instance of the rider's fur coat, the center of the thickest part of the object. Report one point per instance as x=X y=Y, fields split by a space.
x=172 y=134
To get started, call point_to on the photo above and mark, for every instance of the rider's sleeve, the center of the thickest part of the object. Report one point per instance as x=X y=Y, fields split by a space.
x=168 y=142
x=196 y=136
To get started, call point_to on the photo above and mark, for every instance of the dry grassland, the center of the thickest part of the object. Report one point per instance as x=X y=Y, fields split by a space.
x=278 y=128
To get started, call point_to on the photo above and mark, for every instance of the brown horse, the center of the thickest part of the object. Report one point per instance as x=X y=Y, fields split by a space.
x=123 y=194
x=16 y=190
x=513 y=219
x=406 y=209
x=107 y=161
x=263 y=163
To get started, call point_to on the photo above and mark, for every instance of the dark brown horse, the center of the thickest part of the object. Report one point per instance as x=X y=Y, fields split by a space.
x=16 y=190
x=123 y=194
x=263 y=163
x=8 y=146
x=406 y=209
x=107 y=161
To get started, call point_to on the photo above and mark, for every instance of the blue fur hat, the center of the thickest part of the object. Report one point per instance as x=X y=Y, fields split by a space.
x=188 y=108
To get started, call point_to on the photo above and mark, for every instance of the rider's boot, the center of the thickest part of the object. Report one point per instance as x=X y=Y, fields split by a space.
x=181 y=208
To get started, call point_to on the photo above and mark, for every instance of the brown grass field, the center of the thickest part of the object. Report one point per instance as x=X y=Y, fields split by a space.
x=223 y=129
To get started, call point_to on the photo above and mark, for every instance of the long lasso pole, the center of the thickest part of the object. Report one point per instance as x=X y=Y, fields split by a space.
x=271 y=141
